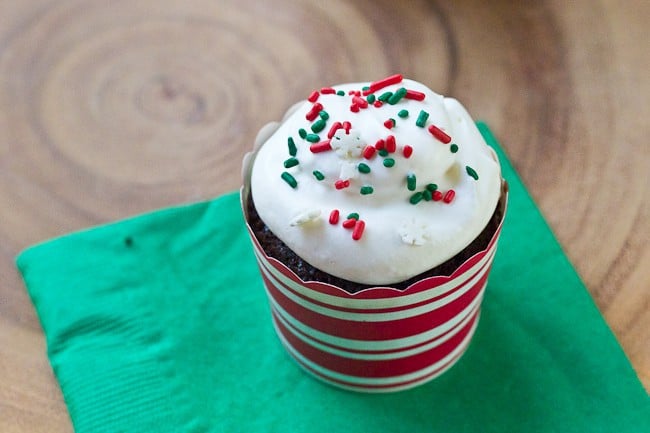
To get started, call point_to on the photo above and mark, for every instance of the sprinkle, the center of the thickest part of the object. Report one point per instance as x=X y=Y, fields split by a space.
x=315 y=109
x=340 y=184
x=353 y=215
x=324 y=115
x=380 y=84
x=390 y=123
x=432 y=187
x=358 y=230
x=384 y=97
x=327 y=91
x=312 y=138
x=407 y=151
x=414 y=94
x=289 y=179
x=313 y=97
x=291 y=162
x=362 y=103
x=377 y=103
x=354 y=93
x=453 y=148
x=364 y=88
x=399 y=94
x=471 y=172
x=366 y=189
x=363 y=167
x=383 y=152
x=318 y=126
x=349 y=223
x=340 y=93
x=410 y=181
x=292 y=146
x=449 y=196
x=302 y=133
x=426 y=194
x=380 y=144
x=369 y=152
x=391 y=146
x=422 y=118
x=403 y=114
x=321 y=146
x=354 y=108
x=333 y=129
x=416 y=198
x=389 y=162
x=439 y=134
x=334 y=217
x=437 y=195
x=318 y=175
x=347 y=125
x=371 y=98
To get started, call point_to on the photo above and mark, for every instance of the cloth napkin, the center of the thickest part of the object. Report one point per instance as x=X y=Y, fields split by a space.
x=159 y=323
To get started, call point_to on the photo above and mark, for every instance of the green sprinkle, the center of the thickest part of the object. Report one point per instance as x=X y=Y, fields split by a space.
x=318 y=175
x=340 y=93
x=410 y=181
x=453 y=148
x=324 y=115
x=471 y=172
x=363 y=167
x=426 y=194
x=432 y=187
x=318 y=126
x=292 y=147
x=312 y=138
x=371 y=98
x=289 y=179
x=422 y=118
x=389 y=162
x=365 y=88
x=353 y=215
x=399 y=94
x=302 y=133
x=403 y=114
x=366 y=189
x=383 y=152
x=416 y=198
x=291 y=162
x=385 y=96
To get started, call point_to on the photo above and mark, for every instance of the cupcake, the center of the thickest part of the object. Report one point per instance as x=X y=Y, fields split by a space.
x=374 y=211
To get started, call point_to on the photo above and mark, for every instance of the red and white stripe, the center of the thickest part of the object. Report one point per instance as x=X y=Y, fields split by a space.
x=379 y=339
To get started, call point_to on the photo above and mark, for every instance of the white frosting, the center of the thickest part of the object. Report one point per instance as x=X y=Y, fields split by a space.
x=400 y=239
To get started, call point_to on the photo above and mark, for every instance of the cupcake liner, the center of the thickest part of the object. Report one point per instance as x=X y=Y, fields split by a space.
x=379 y=339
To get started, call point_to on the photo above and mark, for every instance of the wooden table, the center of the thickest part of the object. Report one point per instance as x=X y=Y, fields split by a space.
x=108 y=109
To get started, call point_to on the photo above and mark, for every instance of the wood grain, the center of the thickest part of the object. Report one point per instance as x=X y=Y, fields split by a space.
x=113 y=108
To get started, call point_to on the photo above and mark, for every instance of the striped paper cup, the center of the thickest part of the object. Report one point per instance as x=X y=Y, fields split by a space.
x=379 y=339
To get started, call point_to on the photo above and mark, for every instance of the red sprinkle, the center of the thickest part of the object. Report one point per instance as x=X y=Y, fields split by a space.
x=354 y=93
x=407 y=151
x=437 y=195
x=347 y=125
x=389 y=124
x=354 y=108
x=377 y=103
x=315 y=109
x=340 y=184
x=327 y=90
x=439 y=134
x=380 y=84
x=358 y=230
x=449 y=196
x=313 y=97
x=369 y=152
x=334 y=216
x=334 y=128
x=322 y=146
x=362 y=103
x=380 y=144
x=391 y=146
x=414 y=94
x=349 y=223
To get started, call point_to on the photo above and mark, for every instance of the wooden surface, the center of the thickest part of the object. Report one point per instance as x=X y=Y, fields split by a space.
x=113 y=108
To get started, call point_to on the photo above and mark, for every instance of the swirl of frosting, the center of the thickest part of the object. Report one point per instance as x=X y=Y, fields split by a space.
x=376 y=182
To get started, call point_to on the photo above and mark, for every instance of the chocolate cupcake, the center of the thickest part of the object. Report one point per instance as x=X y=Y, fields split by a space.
x=374 y=209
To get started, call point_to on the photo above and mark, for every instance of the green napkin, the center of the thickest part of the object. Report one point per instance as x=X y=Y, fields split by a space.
x=160 y=323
